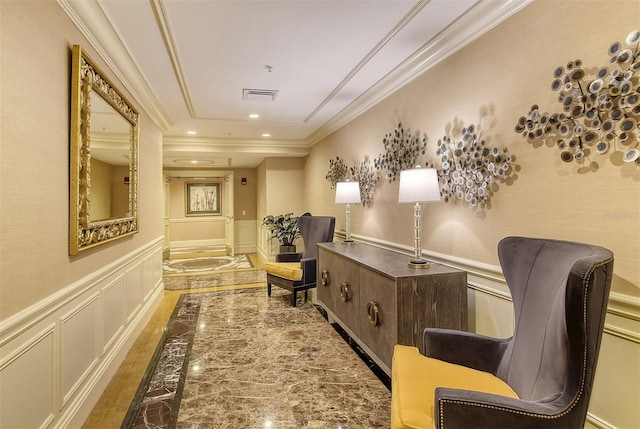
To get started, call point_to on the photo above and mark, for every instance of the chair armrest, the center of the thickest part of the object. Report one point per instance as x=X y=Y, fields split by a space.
x=308 y=266
x=464 y=409
x=288 y=257
x=465 y=348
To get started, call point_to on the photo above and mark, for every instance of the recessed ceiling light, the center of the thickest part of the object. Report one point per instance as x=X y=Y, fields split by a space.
x=266 y=135
x=191 y=132
x=254 y=115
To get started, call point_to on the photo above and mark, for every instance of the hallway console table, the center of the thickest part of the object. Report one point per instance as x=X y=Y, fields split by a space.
x=379 y=301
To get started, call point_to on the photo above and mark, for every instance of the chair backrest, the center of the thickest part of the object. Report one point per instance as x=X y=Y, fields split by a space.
x=560 y=291
x=314 y=230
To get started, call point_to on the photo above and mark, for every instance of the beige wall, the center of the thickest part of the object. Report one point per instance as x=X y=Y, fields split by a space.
x=177 y=202
x=36 y=49
x=281 y=189
x=245 y=196
x=66 y=322
x=492 y=82
x=285 y=186
x=261 y=198
x=185 y=228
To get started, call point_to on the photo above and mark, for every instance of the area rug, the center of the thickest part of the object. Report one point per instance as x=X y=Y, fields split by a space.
x=205 y=264
x=239 y=359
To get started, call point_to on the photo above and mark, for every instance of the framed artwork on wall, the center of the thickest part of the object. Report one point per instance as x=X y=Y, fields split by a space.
x=203 y=199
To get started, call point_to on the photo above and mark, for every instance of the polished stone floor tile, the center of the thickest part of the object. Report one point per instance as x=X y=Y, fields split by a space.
x=257 y=362
x=251 y=362
x=239 y=359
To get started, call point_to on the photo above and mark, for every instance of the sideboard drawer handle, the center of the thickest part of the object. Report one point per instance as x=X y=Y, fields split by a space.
x=372 y=310
x=344 y=292
x=324 y=278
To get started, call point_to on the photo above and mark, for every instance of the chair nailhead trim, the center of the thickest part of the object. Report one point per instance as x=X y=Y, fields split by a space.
x=541 y=416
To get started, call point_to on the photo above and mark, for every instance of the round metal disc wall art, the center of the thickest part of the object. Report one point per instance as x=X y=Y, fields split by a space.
x=401 y=152
x=471 y=169
x=600 y=113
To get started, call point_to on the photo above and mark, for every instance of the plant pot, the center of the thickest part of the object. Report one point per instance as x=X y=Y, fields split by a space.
x=287 y=249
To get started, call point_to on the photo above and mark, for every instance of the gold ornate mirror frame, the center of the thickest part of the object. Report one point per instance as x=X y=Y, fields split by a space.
x=85 y=231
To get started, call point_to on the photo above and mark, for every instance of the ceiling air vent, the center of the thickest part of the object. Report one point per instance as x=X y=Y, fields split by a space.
x=259 y=94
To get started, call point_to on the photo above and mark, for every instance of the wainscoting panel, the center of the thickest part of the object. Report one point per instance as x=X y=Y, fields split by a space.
x=133 y=291
x=27 y=381
x=112 y=313
x=616 y=393
x=57 y=356
x=147 y=276
x=490 y=314
x=79 y=345
x=245 y=236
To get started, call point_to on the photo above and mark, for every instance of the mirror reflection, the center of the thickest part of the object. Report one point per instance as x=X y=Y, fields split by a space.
x=109 y=161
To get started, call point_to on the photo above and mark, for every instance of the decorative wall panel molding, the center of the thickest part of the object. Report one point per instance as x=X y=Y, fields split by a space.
x=471 y=169
x=600 y=112
x=57 y=355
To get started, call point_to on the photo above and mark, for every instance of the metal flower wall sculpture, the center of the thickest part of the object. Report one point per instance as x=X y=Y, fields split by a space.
x=471 y=169
x=600 y=113
x=401 y=152
x=338 y=171
x=364 y=174
x=368 y=179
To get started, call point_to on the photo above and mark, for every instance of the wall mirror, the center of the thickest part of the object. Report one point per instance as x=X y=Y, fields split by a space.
x=103 y=159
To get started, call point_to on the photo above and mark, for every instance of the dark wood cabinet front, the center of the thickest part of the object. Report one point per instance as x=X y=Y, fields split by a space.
x=381 y=302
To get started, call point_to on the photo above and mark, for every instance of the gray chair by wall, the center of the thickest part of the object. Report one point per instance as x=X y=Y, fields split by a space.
x=297 y=271
x=560 y=291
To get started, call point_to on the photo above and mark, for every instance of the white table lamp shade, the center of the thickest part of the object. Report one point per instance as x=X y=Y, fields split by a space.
x=419 y=185
x=347 y=192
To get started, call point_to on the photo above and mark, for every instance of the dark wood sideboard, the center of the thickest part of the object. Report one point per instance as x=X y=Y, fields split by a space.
x=379 y=301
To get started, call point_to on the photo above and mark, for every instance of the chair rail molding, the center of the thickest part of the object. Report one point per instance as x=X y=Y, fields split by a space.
x=488 y=279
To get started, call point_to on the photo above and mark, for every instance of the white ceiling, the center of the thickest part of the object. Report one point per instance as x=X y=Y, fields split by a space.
x=188 y=61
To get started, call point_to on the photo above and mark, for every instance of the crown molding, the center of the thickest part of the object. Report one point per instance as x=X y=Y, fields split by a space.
x=483 y=17
x=104 y=39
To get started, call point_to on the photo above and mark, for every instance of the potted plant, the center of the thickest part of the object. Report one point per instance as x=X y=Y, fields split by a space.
x=285 y=228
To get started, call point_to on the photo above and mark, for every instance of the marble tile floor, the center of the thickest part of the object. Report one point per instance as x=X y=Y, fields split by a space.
x=294 y=399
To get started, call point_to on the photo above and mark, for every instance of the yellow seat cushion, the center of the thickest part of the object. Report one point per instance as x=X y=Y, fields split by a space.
x=414 y=380
x=287 y=270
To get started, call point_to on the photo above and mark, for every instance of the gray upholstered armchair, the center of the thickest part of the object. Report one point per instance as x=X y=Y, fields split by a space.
x=541 y=377
x=297 y=271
